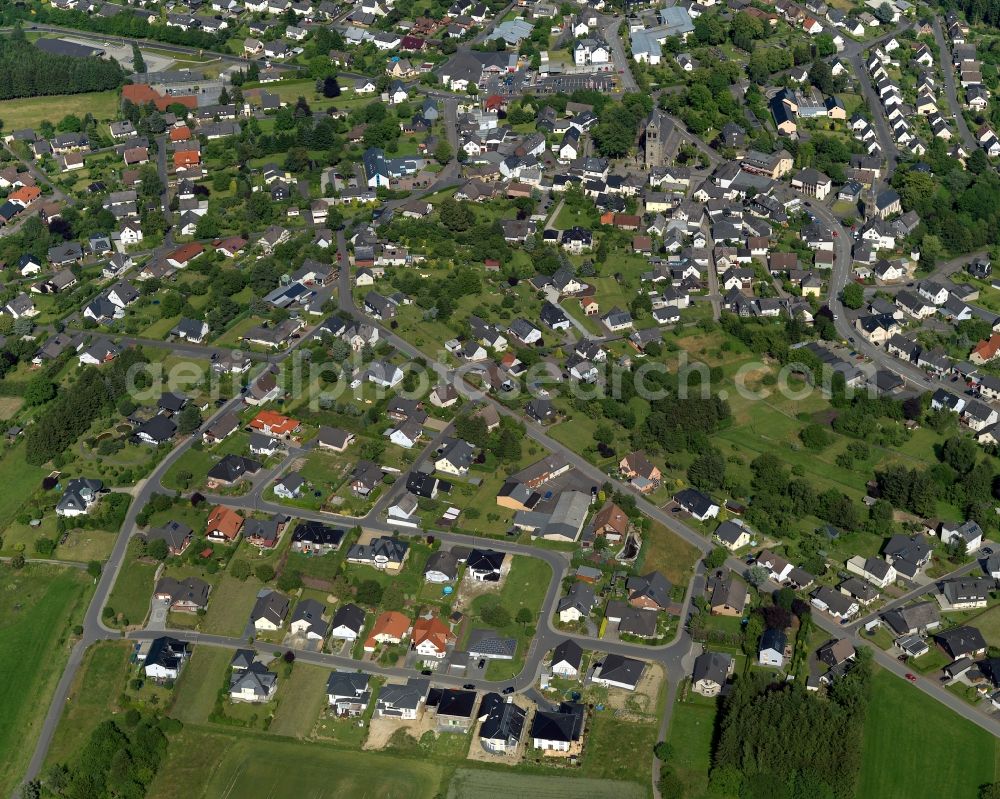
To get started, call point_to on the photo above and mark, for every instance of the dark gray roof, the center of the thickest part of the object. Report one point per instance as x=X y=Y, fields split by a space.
x=272 y=606
x=350 y=616
x=622 y=669
x=713 y=666
x=568 y=651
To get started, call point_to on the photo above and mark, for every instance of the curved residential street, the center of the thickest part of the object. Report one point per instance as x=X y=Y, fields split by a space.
x=677 y=656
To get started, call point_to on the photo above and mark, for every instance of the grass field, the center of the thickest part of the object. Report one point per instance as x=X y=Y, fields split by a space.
x=619 y=750
x=669 y=554
x=133 y=589
x=303 y=698
x=19 y=480
x=96 y=687
x=199 y=683
x=524 y=587
x=916 y=748
x=28 y=112
x=247 y=769
x=230 y=605
x=37 y=607
x=475 y=783
x=691 y=731
x=9 y=406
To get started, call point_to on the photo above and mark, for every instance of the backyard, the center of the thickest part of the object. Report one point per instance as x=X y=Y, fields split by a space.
x=525 y=587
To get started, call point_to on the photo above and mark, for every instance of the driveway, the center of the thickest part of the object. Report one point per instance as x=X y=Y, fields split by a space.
x=158 y=614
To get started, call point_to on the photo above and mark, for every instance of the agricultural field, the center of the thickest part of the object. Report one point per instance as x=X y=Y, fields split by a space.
x=918 y=748
x=38 y=607
x=245 y=767
x=475 y=783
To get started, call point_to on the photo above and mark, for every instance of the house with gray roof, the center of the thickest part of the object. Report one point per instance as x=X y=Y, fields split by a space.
x=348 y=693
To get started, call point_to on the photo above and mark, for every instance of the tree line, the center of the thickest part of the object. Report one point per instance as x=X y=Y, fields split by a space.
x=120 y=758
x=30 y=72
x=776 y=740
x=70 y=414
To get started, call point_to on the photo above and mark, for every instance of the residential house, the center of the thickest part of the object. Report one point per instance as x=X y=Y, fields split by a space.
x=710 y=673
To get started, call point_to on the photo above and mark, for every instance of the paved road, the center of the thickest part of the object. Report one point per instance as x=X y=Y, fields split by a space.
x=882 y=133
x=950 y=88
x=921 y=381
x=838 y=279
x=609 y=28
x=674 y=656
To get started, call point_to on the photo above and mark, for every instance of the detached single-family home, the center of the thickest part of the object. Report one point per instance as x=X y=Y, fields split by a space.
x=710 y=673
x=269 y=611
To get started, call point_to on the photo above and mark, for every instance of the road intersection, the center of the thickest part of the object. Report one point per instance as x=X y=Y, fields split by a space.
x=675 y=656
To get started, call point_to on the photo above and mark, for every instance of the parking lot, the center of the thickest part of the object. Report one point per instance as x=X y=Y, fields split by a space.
x=570 y=83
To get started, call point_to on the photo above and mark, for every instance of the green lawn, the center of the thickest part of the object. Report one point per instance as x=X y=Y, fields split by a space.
x=19 y=480
x=618 y=750
x=303 y=699
x=133 y=589
x=230 y=605
x=37 y=608
x=207 y=765
x=916 y=748
x=97 y=685
x=197 y=462
x=28 y=112
x=199 y=683
x=670 y=554
x=524 y=587
x=691 y=730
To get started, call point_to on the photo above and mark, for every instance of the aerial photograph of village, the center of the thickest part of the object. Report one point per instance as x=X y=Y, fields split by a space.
x=448 y=399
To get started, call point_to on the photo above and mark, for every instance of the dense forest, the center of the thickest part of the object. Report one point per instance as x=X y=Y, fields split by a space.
x=959 y=209
x=71 y=413
x=977 y=11
x=775 y=741
x=31 y=72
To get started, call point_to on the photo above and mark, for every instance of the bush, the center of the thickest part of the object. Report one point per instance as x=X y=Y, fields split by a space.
x=158 y=549
x=264 y=572
x=290 y=581
x=815 y=436
x=240 y=569
x=369 y=592
x=45 y=547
